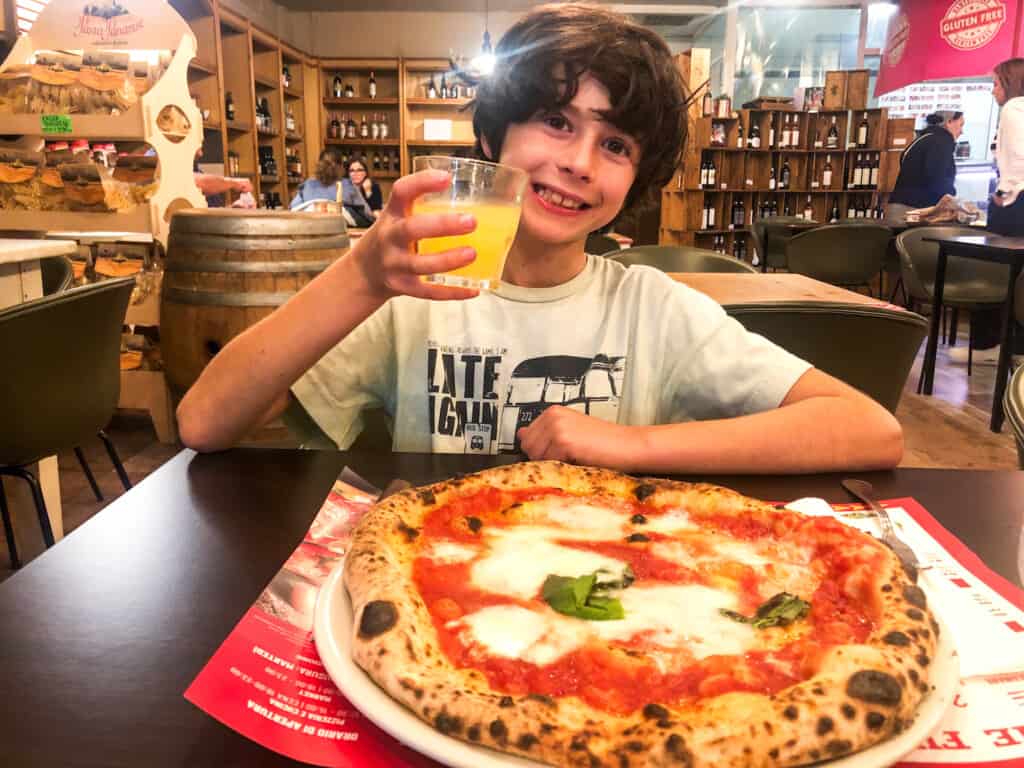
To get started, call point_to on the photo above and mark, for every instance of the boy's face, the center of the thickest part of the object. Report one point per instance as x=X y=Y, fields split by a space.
x=580 y=167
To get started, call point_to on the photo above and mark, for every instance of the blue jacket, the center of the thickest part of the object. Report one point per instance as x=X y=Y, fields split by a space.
x=312 y=189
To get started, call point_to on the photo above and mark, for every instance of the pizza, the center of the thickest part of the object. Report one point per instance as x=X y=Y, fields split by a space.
x=582 y=617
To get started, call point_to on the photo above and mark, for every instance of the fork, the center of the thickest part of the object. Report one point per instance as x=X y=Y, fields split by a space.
x=864 y=491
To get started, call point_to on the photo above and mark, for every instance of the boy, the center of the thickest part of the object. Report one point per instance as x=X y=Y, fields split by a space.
x=574 y=358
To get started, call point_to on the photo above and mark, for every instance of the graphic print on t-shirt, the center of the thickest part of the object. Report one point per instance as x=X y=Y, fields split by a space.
x=478 y=399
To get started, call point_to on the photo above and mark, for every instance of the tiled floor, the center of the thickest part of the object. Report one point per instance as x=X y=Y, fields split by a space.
x=947 y=430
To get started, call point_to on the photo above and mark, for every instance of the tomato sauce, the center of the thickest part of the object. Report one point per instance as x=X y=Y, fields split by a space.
x=645 y=565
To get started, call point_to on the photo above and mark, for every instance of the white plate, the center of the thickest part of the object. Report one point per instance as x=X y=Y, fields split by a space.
x=332 y=631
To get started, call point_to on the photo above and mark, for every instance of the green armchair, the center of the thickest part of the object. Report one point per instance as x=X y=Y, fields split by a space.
x=680 y=258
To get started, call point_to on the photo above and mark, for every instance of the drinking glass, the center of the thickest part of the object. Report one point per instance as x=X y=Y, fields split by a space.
x=490 y=192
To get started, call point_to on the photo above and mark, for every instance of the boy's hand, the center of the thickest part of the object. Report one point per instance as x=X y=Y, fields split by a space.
x=387 y=256
x=563 y=434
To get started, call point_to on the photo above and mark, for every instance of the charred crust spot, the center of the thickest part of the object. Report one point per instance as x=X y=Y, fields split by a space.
x=578 y=743
x=825 y=724
x=910 y=570
x=875 y=720
x=526 y=741
x=407 y=530
x=773 y=753
x=790 y=712
x=818 y=691
x=922 y=660
x=474 y=523
x=925 y=633
x=675 y=746
x=378 y=617
x=473 y=733
x=623 y=759
x=546 y=727
x=664 y=723
x=913 y=675
x=935 y=626
x=505 y=702
x=546 y=700
x=446 y=723
x=896 y=638
x=887 y=587
x=594 y=761
x=815 y=754
x=635 y=746
x=838 y=747
x=638 y=519
x=790 y=743
x=768 y=727
x=655 y=711
x=916 y=615
x=644 y=490
x=849 y=711
x=427 y=497
x=498 y=731
x=633 y=537
x=914 y=595
x=874 y=687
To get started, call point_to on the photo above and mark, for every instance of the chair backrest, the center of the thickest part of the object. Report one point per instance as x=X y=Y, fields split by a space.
x=841 y=254
x=770 y=241
x=600 y=245
x=1013 y=407
x=62 y=378
x=57 y=274
x=869 y=347
x=966 y=279
x=680 y=258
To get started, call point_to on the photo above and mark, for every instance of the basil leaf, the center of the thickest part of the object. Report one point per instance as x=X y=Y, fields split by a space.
x=559 y=594
x=601 y=609
x=576 y=597
x=608 y=580
x=778 y=611
x=582 y=588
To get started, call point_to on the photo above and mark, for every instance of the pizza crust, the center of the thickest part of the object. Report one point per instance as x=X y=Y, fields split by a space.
x=861 y=695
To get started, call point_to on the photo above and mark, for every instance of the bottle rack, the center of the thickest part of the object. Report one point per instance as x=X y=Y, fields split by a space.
x=743 y=173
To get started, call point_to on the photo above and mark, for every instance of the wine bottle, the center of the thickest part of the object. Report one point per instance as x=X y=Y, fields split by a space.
x=832 y=140
x=739 y=213
x=286 y=76
x=704 y=172
x=372 y=86
x=786 y=209
x=809 y=209
x=364 y=128
x=350 y=92
x=773 y=208
x=229 y=107
x=444 y=86
x=335 y=128
x=350 y=128
x=826 y=174
x=785 y=132
x=289 y=119
x=374 y=127
x=384 y=129
x=771 y=178
x=862 y=131
x=338 y=89
x=851 y=209
x=431 y=88
x=707 y=104
x=833 y=216
x=771 y=130
x=712 y=173
x=755 y=136
x=794 y=133
x=785 y=175
x=376 y=161
x=739 y=135
x=873 y=178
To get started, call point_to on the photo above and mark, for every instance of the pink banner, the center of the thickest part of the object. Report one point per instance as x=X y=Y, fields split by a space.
x=936 y=39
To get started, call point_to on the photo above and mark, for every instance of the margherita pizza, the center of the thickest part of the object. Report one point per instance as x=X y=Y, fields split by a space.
x=582 y=617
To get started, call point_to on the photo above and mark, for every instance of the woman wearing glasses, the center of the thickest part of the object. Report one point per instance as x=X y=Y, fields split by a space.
x=370 y=189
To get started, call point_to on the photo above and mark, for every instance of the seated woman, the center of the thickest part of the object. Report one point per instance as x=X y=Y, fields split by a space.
x=324 y=186
x=361 y=180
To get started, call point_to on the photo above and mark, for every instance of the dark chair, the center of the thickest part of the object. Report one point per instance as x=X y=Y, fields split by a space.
x=770 y=235
x=63 y=382
x=840 y=254
x=871 y=348
x=57 y=274
x=1013 y=407
x=600 y=245
x=970 y=283
x=680 y=258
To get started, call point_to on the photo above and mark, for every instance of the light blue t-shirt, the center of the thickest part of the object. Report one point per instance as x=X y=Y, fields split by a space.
x=314 y=189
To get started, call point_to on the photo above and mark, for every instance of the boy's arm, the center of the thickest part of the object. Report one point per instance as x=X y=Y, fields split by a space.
x=822 y=425
x=248 y=381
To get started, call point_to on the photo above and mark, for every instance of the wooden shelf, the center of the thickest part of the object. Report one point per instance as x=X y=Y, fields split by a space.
x=421 y=102
x=363 y=142
x=204 y=67
x=266 y=82
x=330 y=101
x=291 y=93
x=129 y=125
x=293 y=138
x=211 y=125
x=268 y=134
x=359 y=65
x=440 y=143
x=270 y=179
x=238 y=126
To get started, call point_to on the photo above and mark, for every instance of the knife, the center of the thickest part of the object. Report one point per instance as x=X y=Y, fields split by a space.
x=864 y=491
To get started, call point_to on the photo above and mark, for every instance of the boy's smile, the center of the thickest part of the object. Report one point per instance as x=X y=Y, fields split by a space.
x=581 y=168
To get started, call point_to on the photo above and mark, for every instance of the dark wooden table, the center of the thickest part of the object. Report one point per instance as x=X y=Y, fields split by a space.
x=986 y=247
x=103 y=633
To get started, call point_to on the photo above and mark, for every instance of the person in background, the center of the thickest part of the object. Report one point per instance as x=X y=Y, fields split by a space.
x=360 y=178
x=927 y=168
x=1006 y=206
x=324 y=186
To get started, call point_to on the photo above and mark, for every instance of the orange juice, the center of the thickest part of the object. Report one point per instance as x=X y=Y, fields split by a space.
x=496 y=225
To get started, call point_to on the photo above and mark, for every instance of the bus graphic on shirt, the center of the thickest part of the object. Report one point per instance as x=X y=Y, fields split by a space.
x=589 y=385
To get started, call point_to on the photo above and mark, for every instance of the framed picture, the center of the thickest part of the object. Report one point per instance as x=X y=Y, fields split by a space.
x=717 y=134
x=814 y=98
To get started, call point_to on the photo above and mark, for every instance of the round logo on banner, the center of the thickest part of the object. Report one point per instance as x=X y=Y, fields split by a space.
x=972 y=24
x=899 y=35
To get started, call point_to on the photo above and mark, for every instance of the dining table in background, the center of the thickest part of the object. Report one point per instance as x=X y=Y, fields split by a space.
x=105 y=631
x=986 y=247
x=747 y=288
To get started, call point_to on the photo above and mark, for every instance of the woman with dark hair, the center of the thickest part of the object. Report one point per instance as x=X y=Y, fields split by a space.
x=361 y=180
x=1006 y=206
x=927 y=168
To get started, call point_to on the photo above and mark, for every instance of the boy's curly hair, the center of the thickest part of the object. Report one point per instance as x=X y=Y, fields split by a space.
x=540 y=61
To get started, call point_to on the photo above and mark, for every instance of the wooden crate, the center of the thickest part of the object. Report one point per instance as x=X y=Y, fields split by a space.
x=835 y=89
x=899 y=132
x=857 y=89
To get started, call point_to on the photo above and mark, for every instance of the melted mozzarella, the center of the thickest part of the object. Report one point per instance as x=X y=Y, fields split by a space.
x=673 y=520
x=514 y=632
x=679 y=616
x=583 y=520
x=519 y=559
x=451 y=552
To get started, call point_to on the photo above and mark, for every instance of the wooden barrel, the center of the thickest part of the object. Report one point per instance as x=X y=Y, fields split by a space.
x=228 y=269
